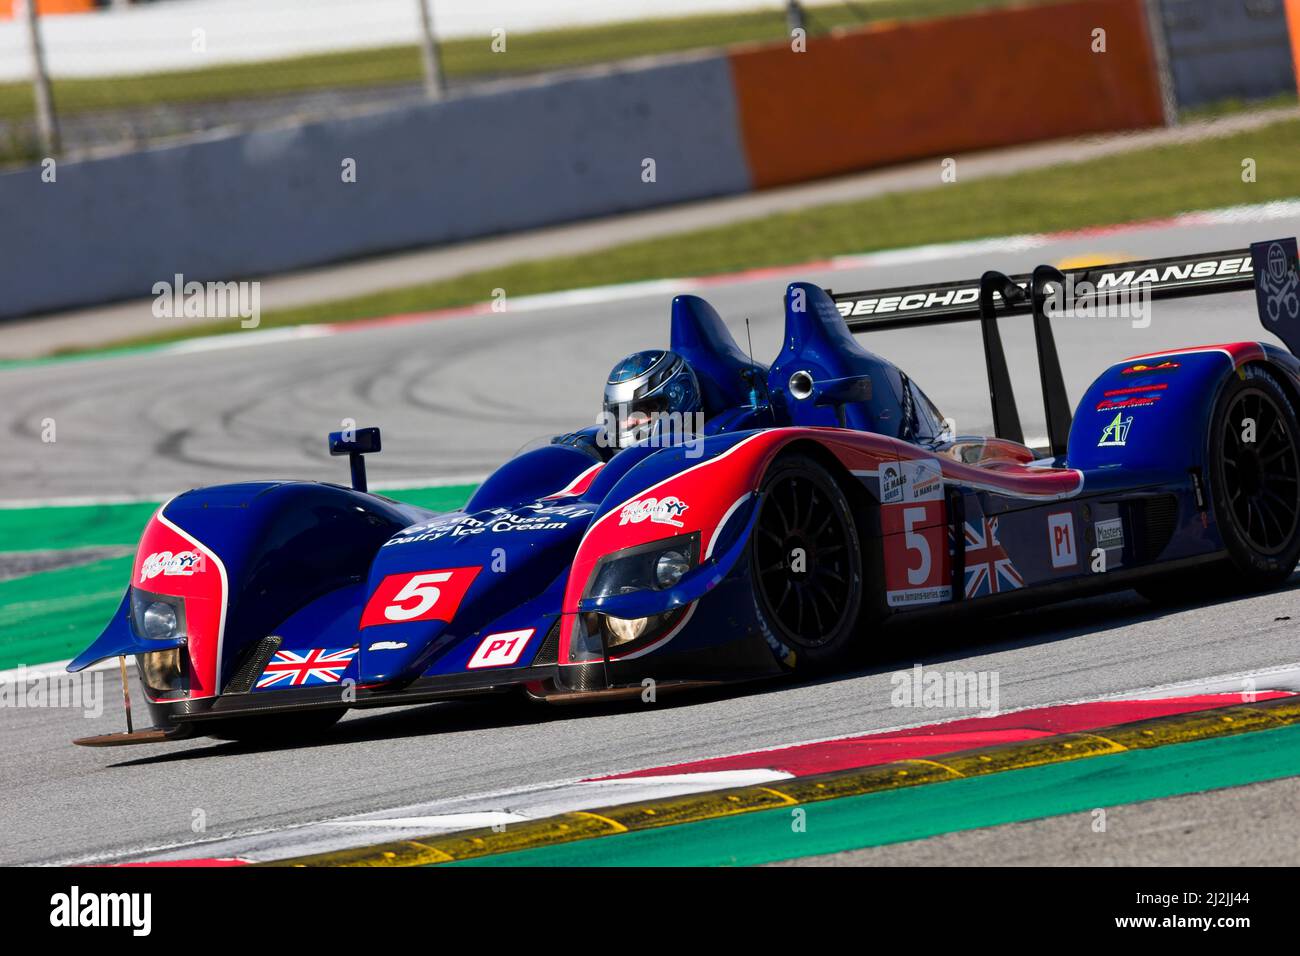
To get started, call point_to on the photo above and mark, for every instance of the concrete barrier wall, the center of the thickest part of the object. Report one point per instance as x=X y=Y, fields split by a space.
x=936 y=87
x=1227 y=49
x=274 y=200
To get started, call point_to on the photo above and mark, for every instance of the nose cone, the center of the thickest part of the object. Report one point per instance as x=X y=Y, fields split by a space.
x=441 y=583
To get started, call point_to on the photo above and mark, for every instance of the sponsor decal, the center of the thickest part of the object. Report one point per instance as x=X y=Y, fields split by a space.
x=182 y=563
x=306 y=668
x=1108 y=281
x=891 y=484
x=989 y=569
x=1136 y=389
x=924 y=479
x=904 y=481
x=500 y=650
x=387 y=646
x=1133 y=401
x=1203 y=269
x=909 y=302
x=1143 y=369
x=532 y=517
x=665 y=510
x=1110 y=533
x=1277 y=289
x=418 y=596
x=1116 y=433
x=1060 y=539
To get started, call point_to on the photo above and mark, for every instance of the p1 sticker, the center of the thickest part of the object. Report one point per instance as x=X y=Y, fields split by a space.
x=1060 y=539
x=500 y=650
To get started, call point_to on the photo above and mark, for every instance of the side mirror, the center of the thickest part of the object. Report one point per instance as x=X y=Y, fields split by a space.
x=842 y=391
x=835 y=392
x=354 y=443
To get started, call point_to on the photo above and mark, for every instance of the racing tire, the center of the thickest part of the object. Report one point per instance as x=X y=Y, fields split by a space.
x=273 y=728
x=806 y=565
x=1255 y=485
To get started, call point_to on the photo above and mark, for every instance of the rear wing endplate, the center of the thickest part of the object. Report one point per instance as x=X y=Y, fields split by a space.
x=1269 y=268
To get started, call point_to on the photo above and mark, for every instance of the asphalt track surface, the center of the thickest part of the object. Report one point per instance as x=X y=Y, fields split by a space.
x=457 y=396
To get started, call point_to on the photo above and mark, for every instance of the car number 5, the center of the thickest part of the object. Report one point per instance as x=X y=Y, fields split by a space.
x=423 y=588
x=916 y=542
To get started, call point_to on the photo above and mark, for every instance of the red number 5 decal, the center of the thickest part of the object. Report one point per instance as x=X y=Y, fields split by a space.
x=418 y=596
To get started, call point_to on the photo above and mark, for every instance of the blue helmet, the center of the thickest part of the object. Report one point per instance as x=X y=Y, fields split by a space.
x=643 y=389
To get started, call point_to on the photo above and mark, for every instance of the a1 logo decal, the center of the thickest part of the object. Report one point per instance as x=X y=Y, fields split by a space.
x=498 y=650
x=433 y=595
x=1060 y=538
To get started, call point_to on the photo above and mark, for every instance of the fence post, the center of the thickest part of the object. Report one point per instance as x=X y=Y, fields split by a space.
x=47 y=125
x=433 y=80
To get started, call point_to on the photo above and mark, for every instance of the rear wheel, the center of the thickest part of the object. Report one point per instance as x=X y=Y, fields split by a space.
x=806 y=565
x=1255 y=478
x=274 y=728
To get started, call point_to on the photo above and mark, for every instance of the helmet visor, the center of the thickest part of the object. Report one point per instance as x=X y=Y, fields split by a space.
x=630 y=422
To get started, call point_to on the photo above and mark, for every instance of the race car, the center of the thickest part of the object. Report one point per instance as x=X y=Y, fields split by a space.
x=807 y=504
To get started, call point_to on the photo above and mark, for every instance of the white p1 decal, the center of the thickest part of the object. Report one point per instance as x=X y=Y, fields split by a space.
x=1060 y=538
x=502 y=649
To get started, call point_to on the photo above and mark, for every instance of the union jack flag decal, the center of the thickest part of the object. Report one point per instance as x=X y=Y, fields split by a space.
x=305 y=668
x=988 y=568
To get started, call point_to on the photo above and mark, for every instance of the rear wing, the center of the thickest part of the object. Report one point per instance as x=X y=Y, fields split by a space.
x=1269 y=268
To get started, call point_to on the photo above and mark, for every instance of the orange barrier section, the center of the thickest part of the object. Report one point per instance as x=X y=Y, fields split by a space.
x=48 y=6
x=901 y=91
x=1293 y=23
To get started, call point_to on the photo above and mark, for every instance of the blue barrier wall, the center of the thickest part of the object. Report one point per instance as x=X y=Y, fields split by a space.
x=1227 y=49
x=274 y=200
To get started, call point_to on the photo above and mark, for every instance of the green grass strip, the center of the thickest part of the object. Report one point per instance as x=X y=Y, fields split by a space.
x=54 y=615
x=1143 y=184
x=877 y=819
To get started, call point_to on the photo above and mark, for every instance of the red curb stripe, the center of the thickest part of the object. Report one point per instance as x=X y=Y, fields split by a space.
x=918 y=742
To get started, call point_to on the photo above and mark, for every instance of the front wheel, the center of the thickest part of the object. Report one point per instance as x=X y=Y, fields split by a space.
x=1255 y=478
x=806 y=565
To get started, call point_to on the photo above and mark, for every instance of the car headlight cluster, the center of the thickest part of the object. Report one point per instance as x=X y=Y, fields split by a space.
x=161 y=617
x=656 y=566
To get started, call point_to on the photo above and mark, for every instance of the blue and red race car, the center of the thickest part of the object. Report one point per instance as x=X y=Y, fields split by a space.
x=820 y=497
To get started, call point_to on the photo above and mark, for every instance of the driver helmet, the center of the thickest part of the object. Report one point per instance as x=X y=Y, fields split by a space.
x=644 y=387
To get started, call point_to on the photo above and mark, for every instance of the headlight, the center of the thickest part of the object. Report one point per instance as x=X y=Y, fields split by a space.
x=624 y=630
x=656 y=566
x=670 y=567
x=161 y=617
x=163 y=672
x=157 y=617
x=159 y=621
